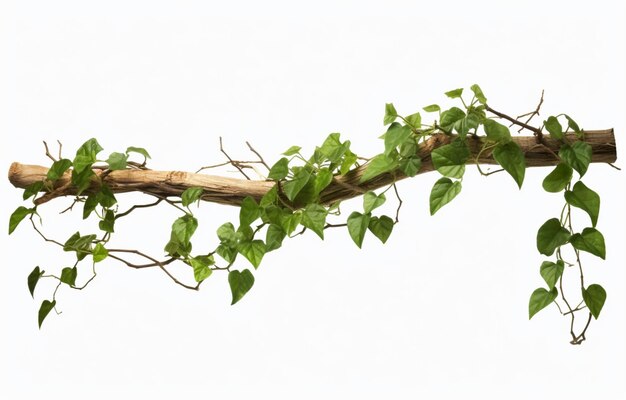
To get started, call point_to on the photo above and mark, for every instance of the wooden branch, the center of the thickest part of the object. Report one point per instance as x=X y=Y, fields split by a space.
x=232 y=191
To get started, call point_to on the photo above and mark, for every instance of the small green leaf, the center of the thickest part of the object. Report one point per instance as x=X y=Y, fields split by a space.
x=182 y=230
x=249 y=211
x=270 y=197
x=86 y=155
x=449 y=118
x=58 y=168
x=432 y=108
x=226 y=232
x=200 y=266
x=511 y=158
x=551 y=272
x=108 y=223
x=450 y=159
x=390 y=113
x=333 y=149
x=594 y=297
x=349 y=159
x=550 y=236
x=314 y=218
x=442 y=193
x=396 y=136
x=82 y=179
x=554 y=127
x=68 y=275
x=18 y=215
x=572 y=124
x=227 y=253
x=44 y=310
x=496 y=132
x=456 y=93
x=32 y=190
x=558 y=179
x=274 y=237
x=410 y=166
x=138 y=150
x=79 y=244
x=292 y=150
x=586 y=199
x=357 y=226
x=372 y=201
x=480 y=96
x=540 y=299
x=414 y=120
x=323 y=178
x=117 y=161
x=240 y=283
x=279 y=170
x=107 y=198
x=252 y=250
x=381 y=227
x=299 y=181
x=191 y=195
x=290 y=222
x=99 y=253
x=90 y=204
x=591 y=241
x=577 y=156
x=378 y=165
x=33 y=278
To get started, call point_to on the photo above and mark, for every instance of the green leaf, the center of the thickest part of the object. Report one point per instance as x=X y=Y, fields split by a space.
x=108 y=223
x=378 y=165
x=551 y=272
x=44 y=310
x=323 y=178
x=18 y=215
x=586 y=199
x=58 y=168
x=191 y=195
x=540 y=299
x=442 y=193
x=456 y=93
x=410 y=166
x=240 y=283
x=290 y=222
x=138 y=150
x=496 y=132
x=99 y=253
x=86 y=155
x=554 y=127
x=249 y=211
x=107 y=198
x=357 y=226
x=68 y=275
x=591 y=241
x=333 y=149
x=79 y=244
x=314 y=218
x=450 y=159
x=270 y=197
x=432 y=108
x=82 y=179
x=184 y=227
x=414 y=120
x=577 y=156
x=463 y=126
x=279 y=170
x=381 y=227
x=390 y=113
x=274 y=237
x=227 y=253
x=252 y=250
x=90 y=204
x=292 y=150
x=226 y=232
x=480 y=96
x=558 y=179
x=117 y=161
x=511 y=158
x=372 y=201
x=550 y=236
x=33 y=278
x=594 y=297
x=450 y=117
x=572 y=124
x=349 y=159
x=200 y=266
x=32 y=190
x=396 y=136
x=299 y=181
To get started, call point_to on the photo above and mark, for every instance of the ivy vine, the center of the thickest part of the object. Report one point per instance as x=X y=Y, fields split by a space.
x=293 y=205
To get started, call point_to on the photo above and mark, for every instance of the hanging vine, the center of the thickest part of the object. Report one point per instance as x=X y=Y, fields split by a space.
x=301 y=193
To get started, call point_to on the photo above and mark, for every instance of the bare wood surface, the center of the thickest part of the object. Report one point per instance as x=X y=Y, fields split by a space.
x=232 y=191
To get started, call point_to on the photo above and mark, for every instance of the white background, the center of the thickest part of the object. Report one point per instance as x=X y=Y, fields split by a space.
x=440 y=310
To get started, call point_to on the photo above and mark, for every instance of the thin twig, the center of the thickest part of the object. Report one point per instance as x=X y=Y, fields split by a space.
x=258 y=155
x=532 y=114
x=536 y=131
x=231 y=160
x=50 y=156
x=395 y=189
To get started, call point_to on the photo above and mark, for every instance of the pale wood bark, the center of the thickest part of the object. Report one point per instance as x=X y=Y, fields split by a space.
x=232 y=191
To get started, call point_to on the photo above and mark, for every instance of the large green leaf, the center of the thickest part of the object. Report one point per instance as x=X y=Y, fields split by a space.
x=551 y=272
x=58 y=168
x=357 y=226
x=414 y=120
x=378 y=165
x=381 y=227
x=249 y=211
x=86 y=155
x=558 y=179
x=323 y=178
x=496 y=132
x=82 y=179
x=540 y=299
x=586 y=199
x=442 y=193
x=372 y=201
x=449 y=118
x=117 y=161
x=253 y=250
x=410 y=166
x=390 y=114
x=279 y=170
x=240 y=283
x=550 y=236
x=79 y=244
x=511 y=158
x=18 y=215
x=191 y=195
x=33 y=278
x=395 y=136
x=299 y=181
x=44 y=310
x=274 y=237
x=554 y=127
x=594 y=297
x=577 y=156
x=201 y=267
x=591 y=241
x=450 y=159
x=333 y=149
x=314 y=218
x=32 y=190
